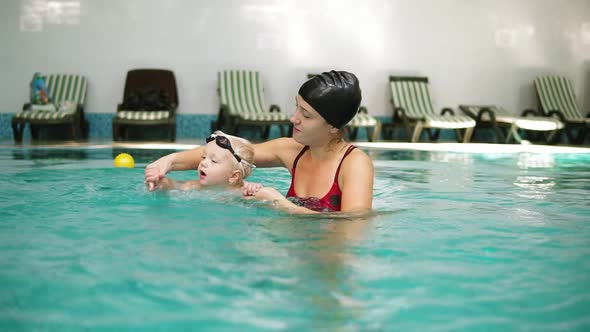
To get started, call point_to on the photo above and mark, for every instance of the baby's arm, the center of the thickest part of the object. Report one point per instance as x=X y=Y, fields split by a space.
x=189 y=185
x=167 y=183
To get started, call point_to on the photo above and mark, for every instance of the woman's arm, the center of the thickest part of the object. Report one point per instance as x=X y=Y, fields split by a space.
x=285 y=205
x=277 y=200
x=356 y=182
x=177 y=161
x=167 y=183
x=188 y=185
x=277 y=152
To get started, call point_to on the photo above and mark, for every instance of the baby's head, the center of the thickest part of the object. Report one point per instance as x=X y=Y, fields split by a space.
x=226 y=160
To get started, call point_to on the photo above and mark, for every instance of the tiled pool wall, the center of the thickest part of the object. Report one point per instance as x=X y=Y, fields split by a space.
x=199 y=126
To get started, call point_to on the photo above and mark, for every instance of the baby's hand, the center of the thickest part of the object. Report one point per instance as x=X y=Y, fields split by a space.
x=251 y=188
x=155 y=171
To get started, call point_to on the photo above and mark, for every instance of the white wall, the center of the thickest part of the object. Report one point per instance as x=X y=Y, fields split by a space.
x=474 y=51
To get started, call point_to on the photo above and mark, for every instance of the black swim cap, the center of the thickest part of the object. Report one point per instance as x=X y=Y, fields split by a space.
x=336 y=95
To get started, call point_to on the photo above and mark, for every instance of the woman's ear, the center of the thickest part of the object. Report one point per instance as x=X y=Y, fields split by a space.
x=235 y=177
x=334 y=130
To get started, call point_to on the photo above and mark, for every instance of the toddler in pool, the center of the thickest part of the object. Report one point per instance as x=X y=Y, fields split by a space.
x=226 y=161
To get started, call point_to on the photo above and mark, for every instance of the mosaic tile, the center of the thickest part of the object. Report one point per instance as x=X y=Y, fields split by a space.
x=199 y=126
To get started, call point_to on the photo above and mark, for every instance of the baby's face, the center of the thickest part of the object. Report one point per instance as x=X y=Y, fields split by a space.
x=217 y=165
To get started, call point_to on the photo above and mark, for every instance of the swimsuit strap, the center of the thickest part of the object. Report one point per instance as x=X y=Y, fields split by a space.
x=348 y=151
x=297 y=158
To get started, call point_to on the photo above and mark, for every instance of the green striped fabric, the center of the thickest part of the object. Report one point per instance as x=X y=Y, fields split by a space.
x=62 y=88
x=362 y=120
x=143 y=115
x=241 y=91
x=412 y=96
x=557 y=93
x=43 y=115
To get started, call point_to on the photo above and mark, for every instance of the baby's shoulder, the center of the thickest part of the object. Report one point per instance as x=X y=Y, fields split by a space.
x=191 y=185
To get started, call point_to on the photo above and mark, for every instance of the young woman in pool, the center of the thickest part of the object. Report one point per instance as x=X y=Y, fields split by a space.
x=225 y=162
x=328 y=174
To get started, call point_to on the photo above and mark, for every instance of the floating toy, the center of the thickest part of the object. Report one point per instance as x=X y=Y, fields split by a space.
x=124 y=160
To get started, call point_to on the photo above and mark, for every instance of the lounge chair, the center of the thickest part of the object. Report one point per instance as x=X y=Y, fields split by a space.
x=506 y=125
x=361 y=120
x=410 y=99
x=556 y=98
x=67 y=95
x=150 y=100
x=242 y=103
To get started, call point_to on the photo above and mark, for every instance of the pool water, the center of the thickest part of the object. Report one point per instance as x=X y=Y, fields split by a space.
x=457 y=242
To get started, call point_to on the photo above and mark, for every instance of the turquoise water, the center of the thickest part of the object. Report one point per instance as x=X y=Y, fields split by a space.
x=458 y=242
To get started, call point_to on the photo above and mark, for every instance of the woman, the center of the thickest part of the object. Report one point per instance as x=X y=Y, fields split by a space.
x=328 y=174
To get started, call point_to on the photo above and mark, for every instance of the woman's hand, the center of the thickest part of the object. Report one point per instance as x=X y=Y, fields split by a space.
x=251 y=188
x=264 y=194
x=157 y=170
x=164 y=183
x=276 y=200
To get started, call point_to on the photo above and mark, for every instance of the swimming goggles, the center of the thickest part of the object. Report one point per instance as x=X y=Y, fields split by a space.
x=224 y=143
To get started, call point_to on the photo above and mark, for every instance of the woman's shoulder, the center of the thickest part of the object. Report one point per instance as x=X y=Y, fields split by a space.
x=356 y=170
x=290 y=142
x=283 y=144
x=277 y=152
x=357 y=158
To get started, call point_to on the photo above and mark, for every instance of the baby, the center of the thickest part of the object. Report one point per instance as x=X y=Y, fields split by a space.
x=226 y=161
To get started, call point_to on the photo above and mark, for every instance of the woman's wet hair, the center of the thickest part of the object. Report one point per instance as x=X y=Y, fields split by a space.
x=335 y=95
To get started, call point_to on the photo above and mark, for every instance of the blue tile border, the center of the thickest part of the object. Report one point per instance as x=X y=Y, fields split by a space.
x=194 y=125
x=100 y=125
x=187 y=125
x=199 y=126
x=5 y=125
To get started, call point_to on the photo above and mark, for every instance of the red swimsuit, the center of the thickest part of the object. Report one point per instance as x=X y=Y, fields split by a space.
x=330 y=202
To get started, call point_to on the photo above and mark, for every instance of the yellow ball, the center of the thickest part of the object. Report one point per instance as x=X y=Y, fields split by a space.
x=124 y=160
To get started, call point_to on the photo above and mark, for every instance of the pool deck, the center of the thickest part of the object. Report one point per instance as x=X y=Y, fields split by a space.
x=189 y=144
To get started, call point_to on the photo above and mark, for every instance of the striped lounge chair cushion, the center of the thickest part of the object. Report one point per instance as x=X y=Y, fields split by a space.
x=64 y=89
x=362 y=120
x=557 y=93
x=241 y=91
x=44 y=115
x=143 y=115
x=267 y=116
x=414 y=98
